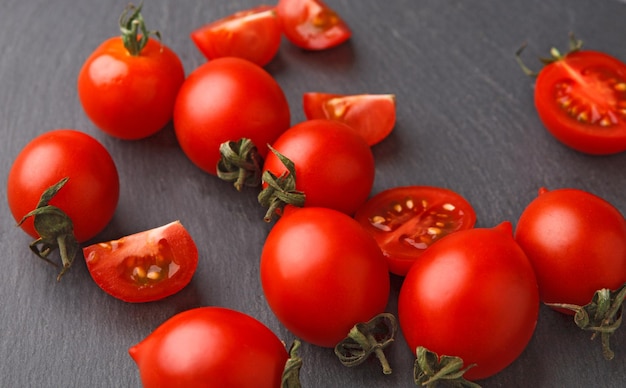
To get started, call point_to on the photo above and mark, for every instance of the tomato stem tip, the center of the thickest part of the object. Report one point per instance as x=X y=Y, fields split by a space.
x=131 y=22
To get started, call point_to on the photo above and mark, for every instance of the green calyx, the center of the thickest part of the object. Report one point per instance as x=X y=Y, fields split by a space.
x=135 y=35
x=430 y=369
x=55 y=229
x=240 y=163
x=555 y=55
x=291 y=373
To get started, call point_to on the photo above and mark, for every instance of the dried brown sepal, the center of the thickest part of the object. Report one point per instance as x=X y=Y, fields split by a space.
x=240 y=163
x=291 y=373
x=430 y=370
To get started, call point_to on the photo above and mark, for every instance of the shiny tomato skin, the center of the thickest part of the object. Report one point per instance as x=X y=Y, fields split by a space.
x=144 y=266
x=311 y=24
x=581 y=100
x=322 y=273
x=407 y=220
x=253 y=34
x=227 y=99
x=576 y=241
x=130 y=97
x=334 y=165
x=210 y=347
x=89 y=197
x=473 y=295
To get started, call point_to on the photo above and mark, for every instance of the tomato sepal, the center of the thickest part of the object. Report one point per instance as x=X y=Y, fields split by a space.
x=291 y=374
x=430 y=369
x=240 y=163
x=131 y=25
x=555 y=55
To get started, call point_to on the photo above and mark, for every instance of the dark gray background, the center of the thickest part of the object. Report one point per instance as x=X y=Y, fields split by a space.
x=466 y=121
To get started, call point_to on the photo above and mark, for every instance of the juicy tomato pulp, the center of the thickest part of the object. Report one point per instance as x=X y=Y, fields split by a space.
x=372 y=115
x=145 y=266
x=581 y=99
x=407 y=220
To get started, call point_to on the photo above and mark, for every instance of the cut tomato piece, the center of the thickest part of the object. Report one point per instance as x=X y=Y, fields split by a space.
x=406 y=220
x=253 y=34
x=145 y=266
x=372 y=115
x=311 y=24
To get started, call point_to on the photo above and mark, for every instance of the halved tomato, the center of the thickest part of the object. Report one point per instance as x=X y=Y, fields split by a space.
x=372 y=115
x=407 y=220
x=144 y=266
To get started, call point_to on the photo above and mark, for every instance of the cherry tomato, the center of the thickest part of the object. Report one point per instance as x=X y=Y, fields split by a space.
x=472 y=295
x=576 y=241
x=253 y=34
x=322 y=274
x=372 y=115
x=128 y=89
x=210 y=347
x=311 y=24
x=407 y=220
x=90 y=195
x=227 y=99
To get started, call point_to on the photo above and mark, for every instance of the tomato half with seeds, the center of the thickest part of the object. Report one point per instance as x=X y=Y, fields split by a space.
x=144 y=266
x=406 y=220
x=372 y=115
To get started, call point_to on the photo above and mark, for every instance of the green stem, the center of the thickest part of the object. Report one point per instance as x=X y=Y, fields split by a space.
x=131 y=24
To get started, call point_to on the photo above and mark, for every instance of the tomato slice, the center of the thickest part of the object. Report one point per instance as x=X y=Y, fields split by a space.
x=144 y=266
x=253 y=34
x=372 y=115
x=311 y=24
x=406 y=220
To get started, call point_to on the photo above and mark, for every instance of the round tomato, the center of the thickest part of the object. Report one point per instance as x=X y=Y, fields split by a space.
x=128 y=85
x=253 y=34
x=224 y=100
x=211 y=347
x=91 y=193
x=576 y=242
x=472 y=295
x=407 y=220
x=144 y=266
x=334 y=165
x=322 y=274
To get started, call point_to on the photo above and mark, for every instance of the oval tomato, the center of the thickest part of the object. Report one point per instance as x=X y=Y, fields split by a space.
x=472 y=295
x=372 y=115
x=127 y=91
x=322 y=274
x=90 y=195
x=253 y=34
x=228 y=99
x=407 y=220
x=210 y=347
x=311 y=24
x=576 y=242
x=144 y=266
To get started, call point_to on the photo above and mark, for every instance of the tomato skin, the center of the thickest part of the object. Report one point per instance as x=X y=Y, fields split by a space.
x=132 y=268
x=209 y=347
x=576 y=241
x=208 y=110
x=334 y=165
x=253 y=34
x=473 y=295
x=406 y=220
x=322 y=273
x=311 y=24
x=581 y=98
x=130 y=97
x=90 y=196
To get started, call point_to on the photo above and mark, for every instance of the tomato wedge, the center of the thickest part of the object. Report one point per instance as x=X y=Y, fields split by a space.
x=406 y=220
x=311 y=24
x=253 y=34
x=372 y=115
x=144 y=266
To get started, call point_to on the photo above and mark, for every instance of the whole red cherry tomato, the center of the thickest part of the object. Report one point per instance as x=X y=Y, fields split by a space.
x=211 y=347
x=144 y=266
x=472 y=295
x=128 y=85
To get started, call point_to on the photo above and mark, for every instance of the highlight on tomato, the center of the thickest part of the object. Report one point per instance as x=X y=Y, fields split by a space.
x=144 y=266
x=372 y=115
x=580 y=97
x=406 y=220
x=472 y=295
x=253 y=34
x=311 y=24
x=215 y=346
